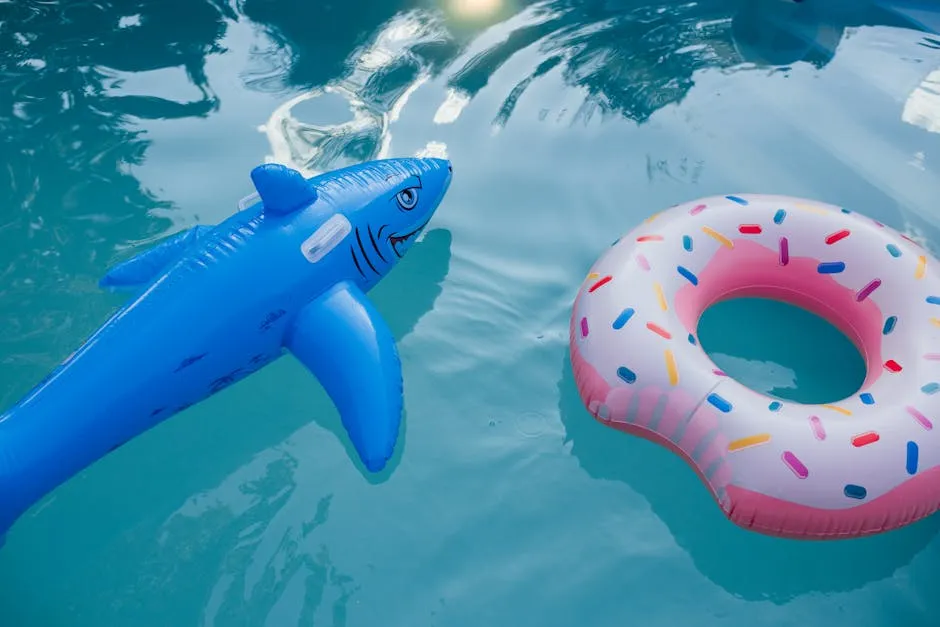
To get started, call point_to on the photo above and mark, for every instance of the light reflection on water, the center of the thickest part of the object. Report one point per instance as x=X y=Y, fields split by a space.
x=568 y=122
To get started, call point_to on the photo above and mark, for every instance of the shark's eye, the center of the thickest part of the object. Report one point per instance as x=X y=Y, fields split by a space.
x=407 y=198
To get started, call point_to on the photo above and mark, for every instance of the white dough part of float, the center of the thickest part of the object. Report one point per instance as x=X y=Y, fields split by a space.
x=861 y=465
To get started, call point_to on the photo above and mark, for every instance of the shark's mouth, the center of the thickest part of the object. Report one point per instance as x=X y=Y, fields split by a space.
x=395 y=240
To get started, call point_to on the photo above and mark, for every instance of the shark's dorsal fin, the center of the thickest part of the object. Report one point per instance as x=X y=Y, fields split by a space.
x=282 y=189
x=142 y=269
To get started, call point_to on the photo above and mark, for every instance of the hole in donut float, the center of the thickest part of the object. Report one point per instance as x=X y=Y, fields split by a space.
x=781 y=350
x=763 y=316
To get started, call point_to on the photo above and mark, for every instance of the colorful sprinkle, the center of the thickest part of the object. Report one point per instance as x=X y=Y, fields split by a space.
x=933 y=300
x=910 y=240
x=584 y=327
x=671 y=368
x=919 y=417
x=832 y=238
x=691 y=278
x=932 y=356
x=818 y=430
x=844 y=210
x=866 y=398
x=935 y=322
x=894 y=250
x=738 y=200
x=593 y=275
x=603 y=281
x=930 y=388
x=836 y=408
x=893 y=366
x=912 y=455
x=794 y=464
x=780 y=216
x=718 y=372
x=811 y=208
x=626 y=375
x=616 y=241
x=889 y=325
x=658 y=330
x=866 y=291
x=921 y=267
x=775 y=406
x=624 y=317
x=691 y=339
x=830 y=267
x=652 y=217
x=719 y=403
x=855 y=491
x=864 y=439
x=721 y=239
x=750 y=229
x=650 y=238
x=749 y=441
x=643 y=262
x=784 y=251
x=687 y=243
x=697 y=209
x=660 y=296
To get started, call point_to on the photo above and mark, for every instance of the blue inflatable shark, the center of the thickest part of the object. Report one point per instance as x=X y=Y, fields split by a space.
x=288 y=272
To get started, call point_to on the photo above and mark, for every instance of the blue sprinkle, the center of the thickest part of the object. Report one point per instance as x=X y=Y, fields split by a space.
x=855 y=491
x=691 y=339
x=780 y=216
x=688 y=275
x=867 y=398
x=831 y=267
x=775 y=406
x=844 y=210
x=616 y=241
x=626 y=374
x=740 y=201
x=720 y=403
x=889 y=325
x=894 y=250
x=930 y=388
x=933 y=300
x=624 y=316
x=687 y=243
x=912 y=455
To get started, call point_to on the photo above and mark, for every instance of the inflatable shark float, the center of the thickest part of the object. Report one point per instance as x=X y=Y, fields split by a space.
x=288 y=272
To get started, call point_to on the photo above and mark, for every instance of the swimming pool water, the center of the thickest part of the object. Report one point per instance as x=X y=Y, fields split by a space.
x=567 y=123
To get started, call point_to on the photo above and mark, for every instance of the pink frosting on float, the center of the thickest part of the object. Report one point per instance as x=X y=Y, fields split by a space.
x=751 y=269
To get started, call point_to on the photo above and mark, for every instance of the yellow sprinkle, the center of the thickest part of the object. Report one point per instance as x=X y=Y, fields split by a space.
x=751 y=440
x=652 y=217
x=671 y=368
x=660 y=296
x=935 y=322
x=921 y=267
x=593 y=275
x=724 y=241
x=841 y=410
x=811 y=208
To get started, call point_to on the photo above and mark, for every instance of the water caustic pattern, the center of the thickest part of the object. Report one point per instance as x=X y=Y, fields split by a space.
x=865 y=464
x=128 y=121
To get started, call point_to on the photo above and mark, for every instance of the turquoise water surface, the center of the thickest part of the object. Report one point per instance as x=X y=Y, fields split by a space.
x=568 y=122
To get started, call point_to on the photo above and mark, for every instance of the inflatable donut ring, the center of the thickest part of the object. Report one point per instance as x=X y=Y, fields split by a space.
x=862 y=465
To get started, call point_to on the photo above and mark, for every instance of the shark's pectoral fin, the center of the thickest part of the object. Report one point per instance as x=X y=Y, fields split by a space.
x=341 y=338
x=142 y=269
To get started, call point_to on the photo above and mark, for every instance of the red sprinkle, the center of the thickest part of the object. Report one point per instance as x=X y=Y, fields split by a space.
x=697 y=209
x=749 y=229
x=832 y=238
x=892 y=366
x=864 y=439
x=584 y=327
x=600 y=282
x=658 y=330
x=650 y=238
